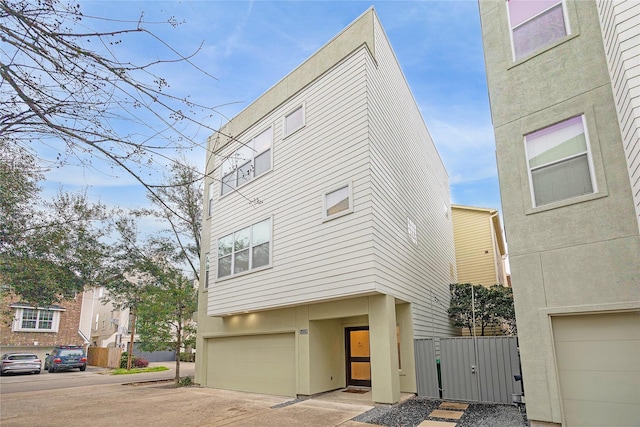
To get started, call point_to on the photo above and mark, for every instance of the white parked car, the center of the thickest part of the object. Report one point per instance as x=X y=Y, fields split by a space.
x=20 y=362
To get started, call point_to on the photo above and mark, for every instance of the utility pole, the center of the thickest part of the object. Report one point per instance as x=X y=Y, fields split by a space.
x=133 y=333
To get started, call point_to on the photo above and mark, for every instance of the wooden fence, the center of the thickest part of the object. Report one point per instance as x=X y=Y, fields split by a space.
x=104 y=357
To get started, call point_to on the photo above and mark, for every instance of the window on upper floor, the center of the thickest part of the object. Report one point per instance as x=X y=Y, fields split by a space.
x=337 y=202
x=245 y=250
x=206 y=270
x=31 y=319
x=412 y=231
x=249 y=161
x=293 y=121
x=535 y=24
x=559 y=162
x=210 y=201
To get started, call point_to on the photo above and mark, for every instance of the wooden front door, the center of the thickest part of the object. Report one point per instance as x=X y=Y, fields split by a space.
x=358 y=356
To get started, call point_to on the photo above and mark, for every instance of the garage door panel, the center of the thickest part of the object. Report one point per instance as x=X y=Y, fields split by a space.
x=256 y=363
x=613 y=387
x=598 y=414
x=597 y=355
x=598 y=372
x=613 y=326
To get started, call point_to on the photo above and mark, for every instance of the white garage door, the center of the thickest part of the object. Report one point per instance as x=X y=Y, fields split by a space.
x=254 y=363
x=598 y=357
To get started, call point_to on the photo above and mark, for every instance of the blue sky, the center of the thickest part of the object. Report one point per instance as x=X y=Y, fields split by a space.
x=249 y=46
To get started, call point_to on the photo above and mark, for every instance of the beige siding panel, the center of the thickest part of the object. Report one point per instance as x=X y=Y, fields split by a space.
x=620 y=23
x=405 y=164
x=598 y=362
x=312 y=260
x=253 y=363
x=472 y=237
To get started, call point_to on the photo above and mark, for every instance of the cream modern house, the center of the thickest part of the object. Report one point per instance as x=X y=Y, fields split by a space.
x=327 y=231
x=105 y=325
x=564 y=84
x=480 y=246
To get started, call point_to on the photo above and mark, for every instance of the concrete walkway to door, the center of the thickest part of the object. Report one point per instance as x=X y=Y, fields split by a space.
x=160 y=405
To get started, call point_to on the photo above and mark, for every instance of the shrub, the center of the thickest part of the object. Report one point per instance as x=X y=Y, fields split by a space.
x=139 y=362
x=187 y=357
x=136 y=362
x=185 y=381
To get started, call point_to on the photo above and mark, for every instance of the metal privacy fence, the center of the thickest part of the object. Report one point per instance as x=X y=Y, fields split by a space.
x=479 y=369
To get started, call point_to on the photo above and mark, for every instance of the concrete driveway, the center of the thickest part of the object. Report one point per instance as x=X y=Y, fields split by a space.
x=159 y=405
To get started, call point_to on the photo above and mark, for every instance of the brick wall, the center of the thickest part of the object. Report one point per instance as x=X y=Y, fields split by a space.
x=67 y=330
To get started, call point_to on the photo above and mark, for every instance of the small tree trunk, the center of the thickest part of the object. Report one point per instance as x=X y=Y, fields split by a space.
x=178 y=345
x=133 y=333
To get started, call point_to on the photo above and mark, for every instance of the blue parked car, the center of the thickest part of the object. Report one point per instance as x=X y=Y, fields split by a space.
x=66 y=357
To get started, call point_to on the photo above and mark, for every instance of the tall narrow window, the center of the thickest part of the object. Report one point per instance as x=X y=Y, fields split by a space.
x=245 y=249
x=338 y=202
x=210 y=204
x=535 y=24
x=206 y=270
x=247 y=162
x=559 y=162
x=294 y=120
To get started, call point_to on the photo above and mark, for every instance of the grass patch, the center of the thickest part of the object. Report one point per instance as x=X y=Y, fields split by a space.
x=123 y=371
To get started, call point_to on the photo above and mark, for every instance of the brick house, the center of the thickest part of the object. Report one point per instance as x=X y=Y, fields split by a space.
x=39 y=329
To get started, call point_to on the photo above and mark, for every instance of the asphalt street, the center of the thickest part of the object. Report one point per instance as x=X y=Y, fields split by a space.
x=92 y=376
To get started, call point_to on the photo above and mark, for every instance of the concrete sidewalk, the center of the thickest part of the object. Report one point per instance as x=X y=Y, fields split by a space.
x=160 y=405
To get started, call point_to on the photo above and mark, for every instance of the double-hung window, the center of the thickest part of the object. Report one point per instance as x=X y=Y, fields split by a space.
x=535 y=24
x=559 y=162
x=244 y=250
x=31 y=319
x=249 y=161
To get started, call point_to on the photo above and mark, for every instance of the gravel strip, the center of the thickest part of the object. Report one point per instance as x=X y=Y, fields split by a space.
x=414 y=411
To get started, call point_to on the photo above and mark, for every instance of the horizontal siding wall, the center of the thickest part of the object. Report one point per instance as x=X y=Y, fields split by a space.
x=620 y=24
x=409 y=182
x=473 y=236
x=312 y=260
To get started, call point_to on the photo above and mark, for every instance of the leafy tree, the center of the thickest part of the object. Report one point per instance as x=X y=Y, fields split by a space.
x=49 y=250
x=146 y=278
x=181 y=211
x=165 y=312
x=492 y=306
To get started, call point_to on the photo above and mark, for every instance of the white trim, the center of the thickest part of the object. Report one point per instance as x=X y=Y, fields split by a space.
x=250 y=249
x=589 y=162
x=254 y=154
x=565 y=18
x=347 y=211
x=18 y=318
x=287 y=132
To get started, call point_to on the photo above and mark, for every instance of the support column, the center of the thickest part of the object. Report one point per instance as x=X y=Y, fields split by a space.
x=303 y=369
x=385 y=376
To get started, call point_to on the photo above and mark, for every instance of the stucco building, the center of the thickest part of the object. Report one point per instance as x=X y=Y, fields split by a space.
x=327 y=231
x=563 y=81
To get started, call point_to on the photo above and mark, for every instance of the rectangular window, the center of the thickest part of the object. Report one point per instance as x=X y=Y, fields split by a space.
x=294 y=121
x=412 y=231
x=559 y=162
x=337 y=202
x=535 y=24
x=249 y=161
x=36 y=320
x=210 y=204
x=206 y=270
x=245 y=250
